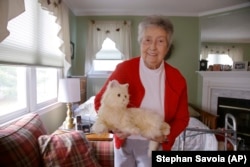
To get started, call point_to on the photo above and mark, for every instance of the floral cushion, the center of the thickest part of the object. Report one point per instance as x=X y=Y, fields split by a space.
x=18 y=142
x=69 y=149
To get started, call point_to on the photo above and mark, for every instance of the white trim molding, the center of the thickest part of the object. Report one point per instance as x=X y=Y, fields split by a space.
x=235 y=84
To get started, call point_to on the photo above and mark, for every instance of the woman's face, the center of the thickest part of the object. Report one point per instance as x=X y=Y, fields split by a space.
x=154 y=46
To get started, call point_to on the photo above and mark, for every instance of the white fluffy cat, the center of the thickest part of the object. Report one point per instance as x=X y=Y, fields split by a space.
x=114 y=114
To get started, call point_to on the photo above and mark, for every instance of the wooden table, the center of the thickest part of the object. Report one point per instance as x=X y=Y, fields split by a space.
x=89 y=136
x=99 y=137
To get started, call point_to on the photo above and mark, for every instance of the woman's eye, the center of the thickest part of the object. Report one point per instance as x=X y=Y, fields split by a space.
x=161 y=42
x=119 y=95
x=146 y=41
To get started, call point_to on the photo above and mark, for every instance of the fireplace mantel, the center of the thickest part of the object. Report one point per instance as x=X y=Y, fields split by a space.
x=225 y=74
x=234 y=84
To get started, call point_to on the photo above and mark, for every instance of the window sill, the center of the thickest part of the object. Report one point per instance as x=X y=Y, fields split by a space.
x=41 y=111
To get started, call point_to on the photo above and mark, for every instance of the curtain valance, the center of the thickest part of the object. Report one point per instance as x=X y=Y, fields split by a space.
x=118 y=31
x=234 y=52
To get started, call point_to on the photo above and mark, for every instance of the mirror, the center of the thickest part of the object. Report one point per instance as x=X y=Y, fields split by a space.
x=225 y=33
x=226 y=27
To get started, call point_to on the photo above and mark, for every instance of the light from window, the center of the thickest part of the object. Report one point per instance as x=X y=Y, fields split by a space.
x=219 y=59
x=33 y=40
x=46 y=84
x=105 y=65
x=12 y=89
x=26 y=89
x=108 y=57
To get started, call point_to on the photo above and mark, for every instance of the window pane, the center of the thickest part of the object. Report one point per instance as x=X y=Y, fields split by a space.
x=108 y=57
x=109 y=51
x=219 y=59
x=12 y=89
x=46 y=84
x=105 y=65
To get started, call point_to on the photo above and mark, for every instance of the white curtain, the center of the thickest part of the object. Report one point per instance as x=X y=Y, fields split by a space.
x=60 y=10
x=9 y=9
x=118 y=31
x=234 y=52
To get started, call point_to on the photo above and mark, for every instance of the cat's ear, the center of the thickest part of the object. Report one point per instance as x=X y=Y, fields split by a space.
x=113 y=83
x=125 y=85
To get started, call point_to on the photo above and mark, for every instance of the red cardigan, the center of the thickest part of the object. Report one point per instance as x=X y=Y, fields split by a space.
x=176 y=104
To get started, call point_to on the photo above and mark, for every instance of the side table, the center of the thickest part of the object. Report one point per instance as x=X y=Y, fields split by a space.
x=89 y=136
x=99 y=137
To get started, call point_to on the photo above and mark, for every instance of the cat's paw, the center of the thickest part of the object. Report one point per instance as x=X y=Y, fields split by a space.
x=100 y=128
x=165 y=128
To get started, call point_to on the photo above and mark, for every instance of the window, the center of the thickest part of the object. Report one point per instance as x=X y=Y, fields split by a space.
x=12 y=89
x=30 y=63
x=46 y=84
x=106 y=41
x=224 y=55
x=26 y=89
x=108 y=57
x=219 y=59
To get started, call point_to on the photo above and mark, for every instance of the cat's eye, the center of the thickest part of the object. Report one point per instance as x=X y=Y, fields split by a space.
x=119 y=95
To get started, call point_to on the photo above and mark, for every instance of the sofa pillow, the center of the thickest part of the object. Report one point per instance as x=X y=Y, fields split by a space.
x=18 y=142
x=69 y=149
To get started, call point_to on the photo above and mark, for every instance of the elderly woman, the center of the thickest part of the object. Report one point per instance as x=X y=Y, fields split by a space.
x=154 y=85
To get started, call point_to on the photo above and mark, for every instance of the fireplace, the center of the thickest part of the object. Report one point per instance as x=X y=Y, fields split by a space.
x=235 y=88
x=234 y=84
x=240 y=109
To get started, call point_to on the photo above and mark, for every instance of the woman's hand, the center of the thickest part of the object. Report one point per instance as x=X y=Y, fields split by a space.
x=121 y=134
x=161 y=139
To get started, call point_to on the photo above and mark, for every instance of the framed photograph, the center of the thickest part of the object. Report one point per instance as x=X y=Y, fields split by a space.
x=240 y=66
x=72 y=49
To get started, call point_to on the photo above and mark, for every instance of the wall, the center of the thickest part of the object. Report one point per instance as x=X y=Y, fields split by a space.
x=186 y=45
x=54 y=118
x=94 y=84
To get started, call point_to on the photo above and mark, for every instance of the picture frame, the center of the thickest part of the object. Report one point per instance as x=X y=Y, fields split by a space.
x=72 y=49
x=240 y=66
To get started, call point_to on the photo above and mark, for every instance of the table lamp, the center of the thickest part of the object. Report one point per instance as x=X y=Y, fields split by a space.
x=69 y=92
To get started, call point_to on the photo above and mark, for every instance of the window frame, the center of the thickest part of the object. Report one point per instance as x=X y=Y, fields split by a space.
x=104 y=58
x=31 y=104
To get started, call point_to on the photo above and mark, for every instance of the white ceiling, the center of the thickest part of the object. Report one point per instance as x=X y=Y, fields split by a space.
x=172 y=8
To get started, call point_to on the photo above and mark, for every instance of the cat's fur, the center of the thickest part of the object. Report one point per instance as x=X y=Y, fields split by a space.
x=113 y=114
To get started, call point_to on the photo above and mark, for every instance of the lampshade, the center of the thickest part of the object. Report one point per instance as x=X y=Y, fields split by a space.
x=69 y=90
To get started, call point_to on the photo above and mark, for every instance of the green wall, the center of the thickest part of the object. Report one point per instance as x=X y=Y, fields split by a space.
x=54 y=118
x=184 y=57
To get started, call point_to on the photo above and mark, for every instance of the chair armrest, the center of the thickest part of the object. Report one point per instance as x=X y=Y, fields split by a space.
x=104 y=151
